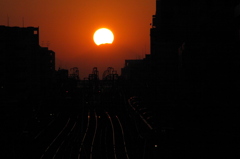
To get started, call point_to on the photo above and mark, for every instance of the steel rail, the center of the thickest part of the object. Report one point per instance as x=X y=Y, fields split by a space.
x=95 y=131
x=50 y=123
x=150 y=127
x=114 y=147
x=55 y=138
x=123 y=137
x=64 y=140
x=80 y=150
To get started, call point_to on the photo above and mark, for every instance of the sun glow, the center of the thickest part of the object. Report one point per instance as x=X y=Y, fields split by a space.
x=103 y=36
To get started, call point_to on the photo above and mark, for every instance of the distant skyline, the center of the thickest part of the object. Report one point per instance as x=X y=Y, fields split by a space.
x=67 y=28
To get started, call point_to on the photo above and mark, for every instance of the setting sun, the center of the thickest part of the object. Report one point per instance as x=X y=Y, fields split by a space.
x=103 y=36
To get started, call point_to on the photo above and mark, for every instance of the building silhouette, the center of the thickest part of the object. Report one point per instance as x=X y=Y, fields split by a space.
x=193 y=74
x=25 y=67
x=192 y=45
x=136 y=69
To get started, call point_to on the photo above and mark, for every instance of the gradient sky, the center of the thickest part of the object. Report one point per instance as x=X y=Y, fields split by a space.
x=68 y=27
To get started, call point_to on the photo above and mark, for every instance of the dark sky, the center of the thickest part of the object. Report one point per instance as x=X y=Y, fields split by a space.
x=68 y=27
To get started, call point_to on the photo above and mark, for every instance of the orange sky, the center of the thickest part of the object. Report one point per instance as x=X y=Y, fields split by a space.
x=69 y=27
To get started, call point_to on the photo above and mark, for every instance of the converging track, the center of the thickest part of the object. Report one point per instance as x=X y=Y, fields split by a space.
x=97 y=126
x=103 y=137
x=59 y=146
x=118 y=140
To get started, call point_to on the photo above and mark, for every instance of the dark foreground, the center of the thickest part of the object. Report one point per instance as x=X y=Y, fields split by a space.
x=116 y=121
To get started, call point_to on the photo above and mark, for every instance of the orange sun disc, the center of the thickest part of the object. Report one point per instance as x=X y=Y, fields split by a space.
x=103 y=36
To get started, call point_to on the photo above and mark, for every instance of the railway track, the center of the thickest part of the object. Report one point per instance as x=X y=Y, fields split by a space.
x=58 y=147
x=118 y=139
x=94 y=130
x=103 y=137
x=87 y=141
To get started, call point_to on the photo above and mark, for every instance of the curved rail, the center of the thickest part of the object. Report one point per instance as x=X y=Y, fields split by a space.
x=50 y=123
x=89 y=137
x=55 y=138
x=95 y=131
x=114 y=148
x=88 y=122
x=64 y=140
x=123 y=137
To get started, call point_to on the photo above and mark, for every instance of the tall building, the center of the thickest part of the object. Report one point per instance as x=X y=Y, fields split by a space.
x=189 y=40
x=193 y=35
x=24 y=65
x=195 y=46
x=137 y=69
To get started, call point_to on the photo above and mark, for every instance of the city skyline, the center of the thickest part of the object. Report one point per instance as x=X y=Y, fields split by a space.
x=178 y=96
x=68 y=27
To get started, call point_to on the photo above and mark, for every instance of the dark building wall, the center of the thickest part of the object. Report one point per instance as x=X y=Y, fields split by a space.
x=207 y=29
x=24 y=65
x=211 y=47
x=132 y=69
x=137 y=70
x=202 y=39
x=194 y=47
x=62 y=74
x=19 y=37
